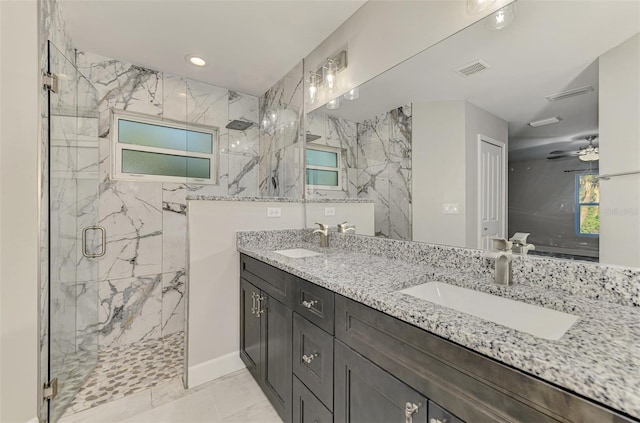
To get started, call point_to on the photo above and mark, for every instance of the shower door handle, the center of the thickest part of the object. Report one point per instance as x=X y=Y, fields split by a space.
x=103 y=249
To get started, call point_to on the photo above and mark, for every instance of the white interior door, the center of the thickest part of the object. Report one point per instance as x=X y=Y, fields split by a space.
x=492 y=191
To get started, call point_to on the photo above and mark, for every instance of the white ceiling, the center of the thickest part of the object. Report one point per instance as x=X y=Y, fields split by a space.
x=551 y=47
x=248 y=44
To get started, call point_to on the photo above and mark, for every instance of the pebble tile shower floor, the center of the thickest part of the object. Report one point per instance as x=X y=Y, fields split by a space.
x=125 y=370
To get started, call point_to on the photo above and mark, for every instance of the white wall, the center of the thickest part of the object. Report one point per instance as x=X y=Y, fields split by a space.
x=359 y=214
x=19 y=86
x=438 y=151
x=480 y=122
x=213 y=336
x=619 y=112
x=382 y=34
x=445 y=154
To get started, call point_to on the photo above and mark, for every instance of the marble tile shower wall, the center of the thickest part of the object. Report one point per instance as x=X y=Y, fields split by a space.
x=384 y=164
x=342 y=134
x=281 y=134
x=141 y=280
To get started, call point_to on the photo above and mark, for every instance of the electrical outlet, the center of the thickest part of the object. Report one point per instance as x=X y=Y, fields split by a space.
x=329 y=211
x=274 y=212
x=450 y=208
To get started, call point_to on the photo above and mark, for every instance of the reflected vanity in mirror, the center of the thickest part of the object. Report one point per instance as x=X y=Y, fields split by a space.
x=492 y=132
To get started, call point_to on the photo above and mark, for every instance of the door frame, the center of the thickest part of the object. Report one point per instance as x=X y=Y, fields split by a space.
x=503 y=212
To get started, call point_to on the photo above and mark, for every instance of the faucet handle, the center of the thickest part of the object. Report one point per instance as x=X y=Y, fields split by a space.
x=501 y=244
x=323 y=226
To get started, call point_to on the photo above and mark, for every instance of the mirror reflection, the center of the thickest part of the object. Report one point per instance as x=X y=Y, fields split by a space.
x=498 y=130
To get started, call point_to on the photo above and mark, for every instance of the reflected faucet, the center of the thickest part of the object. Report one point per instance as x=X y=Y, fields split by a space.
x=520 y=245
x=502 y=256
x=324 y=234
x=345 y=227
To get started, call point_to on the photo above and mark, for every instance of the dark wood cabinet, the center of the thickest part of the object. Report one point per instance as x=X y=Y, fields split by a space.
x=337 y=355
x=307 y=408
x=250 y=328
x=265 y=345
x=276 y=373
x=364 y=393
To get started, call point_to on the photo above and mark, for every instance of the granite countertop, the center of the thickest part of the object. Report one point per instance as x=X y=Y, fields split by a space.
x=598 y=357
x=204 y=197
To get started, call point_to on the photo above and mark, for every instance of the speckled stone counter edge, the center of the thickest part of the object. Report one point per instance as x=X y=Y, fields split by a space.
x=614 y=284
x=199 y=197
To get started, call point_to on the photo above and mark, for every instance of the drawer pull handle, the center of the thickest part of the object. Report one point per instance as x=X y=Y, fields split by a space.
x=409 y=410
x=260 y=308
x=309 y=304
x=309 y=358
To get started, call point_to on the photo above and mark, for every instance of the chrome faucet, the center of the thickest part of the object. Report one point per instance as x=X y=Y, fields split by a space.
x=324 y=234
x=345 y=227
x=502 y=256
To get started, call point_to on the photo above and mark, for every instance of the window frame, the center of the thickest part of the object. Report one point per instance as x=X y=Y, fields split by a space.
x=117 y=147
x=580 y=204
x=338 y=169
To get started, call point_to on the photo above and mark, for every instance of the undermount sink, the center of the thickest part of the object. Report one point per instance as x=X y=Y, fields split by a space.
x=298 y=253
x=535 y=320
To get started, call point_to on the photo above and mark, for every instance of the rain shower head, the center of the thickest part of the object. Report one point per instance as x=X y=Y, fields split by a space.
x=312 y=137
x=239 y=125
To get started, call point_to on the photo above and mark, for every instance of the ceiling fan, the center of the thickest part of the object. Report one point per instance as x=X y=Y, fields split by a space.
x=587 y=154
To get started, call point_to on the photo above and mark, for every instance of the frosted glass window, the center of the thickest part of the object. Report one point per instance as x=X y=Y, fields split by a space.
x=149 y=149
x=145 y=163
x=322 y=177
x=139 y=133
x=322 y=158
x=323 y=168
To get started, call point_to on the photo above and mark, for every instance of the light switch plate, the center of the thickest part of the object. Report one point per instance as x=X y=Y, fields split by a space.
x=329 y=211
x=450 y=208
x=274 y=212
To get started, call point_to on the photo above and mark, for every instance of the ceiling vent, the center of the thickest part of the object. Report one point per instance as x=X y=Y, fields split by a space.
x=569 y=93
x=473 y=68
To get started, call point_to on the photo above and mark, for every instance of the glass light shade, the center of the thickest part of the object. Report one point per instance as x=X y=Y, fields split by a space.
x=590 y=156
x=352 y=94
x=312 y=90
x=477 y=6
x=333 y=104
x=501 y=18
x=329 y=75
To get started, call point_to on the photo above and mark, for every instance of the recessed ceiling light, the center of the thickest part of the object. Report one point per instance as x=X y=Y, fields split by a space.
x=543 y=122
x=195 y=60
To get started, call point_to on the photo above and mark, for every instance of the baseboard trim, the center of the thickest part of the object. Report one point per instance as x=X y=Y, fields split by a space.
x=213 y=369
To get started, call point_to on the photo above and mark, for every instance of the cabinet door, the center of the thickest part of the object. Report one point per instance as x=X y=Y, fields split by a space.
x=250 y=327
x=364 y=393
x=276 y=376
x=306 y=407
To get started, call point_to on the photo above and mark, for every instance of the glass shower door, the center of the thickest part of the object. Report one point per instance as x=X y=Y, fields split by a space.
x=75 y=241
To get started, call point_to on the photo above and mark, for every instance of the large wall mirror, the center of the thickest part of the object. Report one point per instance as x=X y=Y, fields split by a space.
x=511 y=125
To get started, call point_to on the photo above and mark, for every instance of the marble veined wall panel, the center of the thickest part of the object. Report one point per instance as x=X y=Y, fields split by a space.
x=281 y=166
x=384 y=170
x=142 y=276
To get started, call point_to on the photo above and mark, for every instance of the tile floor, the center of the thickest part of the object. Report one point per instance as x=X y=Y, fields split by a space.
x=125 y=370
x=229 y=399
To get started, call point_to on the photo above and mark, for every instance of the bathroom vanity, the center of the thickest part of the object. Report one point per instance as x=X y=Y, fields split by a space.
x=330 y=338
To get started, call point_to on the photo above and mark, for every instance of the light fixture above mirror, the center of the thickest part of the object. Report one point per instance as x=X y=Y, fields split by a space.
x=325 y=79
x=476 y=6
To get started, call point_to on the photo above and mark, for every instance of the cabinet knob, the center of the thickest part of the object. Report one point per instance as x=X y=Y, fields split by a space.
x=309 y=304
x=409 y=410
x=309 y=358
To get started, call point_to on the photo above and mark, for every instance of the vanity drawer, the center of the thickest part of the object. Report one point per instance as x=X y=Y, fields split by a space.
x=315 y=303
x=313 y=358
x=306 y=407
x=275 y=282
